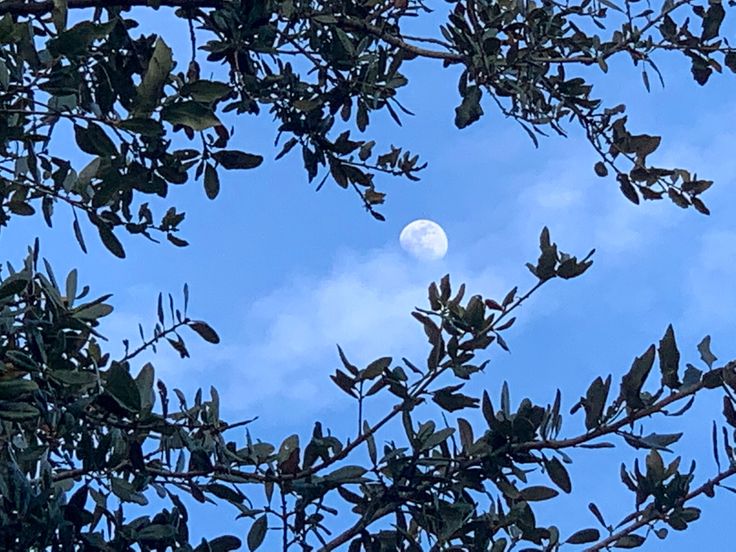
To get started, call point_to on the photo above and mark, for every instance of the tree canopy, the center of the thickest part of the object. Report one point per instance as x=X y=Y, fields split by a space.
x=86 y=437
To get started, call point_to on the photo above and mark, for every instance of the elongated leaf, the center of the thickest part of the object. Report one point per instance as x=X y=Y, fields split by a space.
x=537 y=493
x=705 y=353
x=234 y=159
x=149 y=91
x=584 y=536
x=257 y=533
x=121 y=385
x=633 y=381
x=205 y=331
x=558 y=474
x=669 y=359
x=191 y=114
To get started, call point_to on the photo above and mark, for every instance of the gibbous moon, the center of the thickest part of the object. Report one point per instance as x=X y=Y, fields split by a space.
x=424 y=239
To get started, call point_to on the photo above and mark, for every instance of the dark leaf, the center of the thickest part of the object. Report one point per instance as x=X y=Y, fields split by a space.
x=669 y=359
x=558 y=474
x=205 y=331
x=712 y=21
x=211 y=181
x=633 y=381
x=469 y=110
x=190 y=114
x=234 y=159
x=226 y=543
x=150 y=89
x=629 y=541
x=111 y=242
x=257 y=533
x=584 y=536
x=537 y=493
x=705 y=353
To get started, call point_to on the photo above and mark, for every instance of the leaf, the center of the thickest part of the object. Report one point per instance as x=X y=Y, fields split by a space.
x=13 y=285
x=150 y=90
x=110 y=241
x=347 y=474
x=205 y=331
x=376 y=368
x=178 y=242
x=584 y=536
x=144 y=381
x=59 y=14
x=345 y=362
x=469 y=110
x=5 y=76
x=692 y=377
x=121 y=385
x=597 y=513
x=642 y=145
x=712 y=21
x=92 y=311
x=487 y=410
x=224 y=492
x=600 y=169
x=257 y=533
x=448 y=400
x=74 y=377
x=16 y=388
x=179 y=346
x=654 y=441
x=71 y=286
x=558 y=474
x=538 y=493
x=207 y=91
x=628 y=189
x=157 y=532
x=142 y=126
x=595 y=401
x=78 y=235
x=190 y=114
x=669 y=359
x=211 y=181
x=234 y=159
x=730 y=61
x=629 y=541
x=17 y=411
x=700 y=70
x=705 y=353
x=225 y=543
x=344 y=382
x=288 y=146
x=199 y=460
x=633 y=381
x=466 y=433
x=94 y=140
x=126 y=492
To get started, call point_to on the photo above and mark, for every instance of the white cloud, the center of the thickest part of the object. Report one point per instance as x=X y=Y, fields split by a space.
x=710 y=288
x=363 y=304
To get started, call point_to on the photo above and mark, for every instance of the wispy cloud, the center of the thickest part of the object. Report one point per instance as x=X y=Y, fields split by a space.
x=363 y=303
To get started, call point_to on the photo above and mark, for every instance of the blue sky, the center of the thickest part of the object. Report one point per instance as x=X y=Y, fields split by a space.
x=285 y=273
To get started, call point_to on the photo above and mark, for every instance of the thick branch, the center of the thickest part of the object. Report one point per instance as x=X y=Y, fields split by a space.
x=613 y=428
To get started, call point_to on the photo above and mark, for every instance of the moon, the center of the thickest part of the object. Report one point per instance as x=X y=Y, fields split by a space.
x=424 y=239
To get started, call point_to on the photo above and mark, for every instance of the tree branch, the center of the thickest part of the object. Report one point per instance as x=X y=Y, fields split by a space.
x=653 y=515
x=21 y=7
